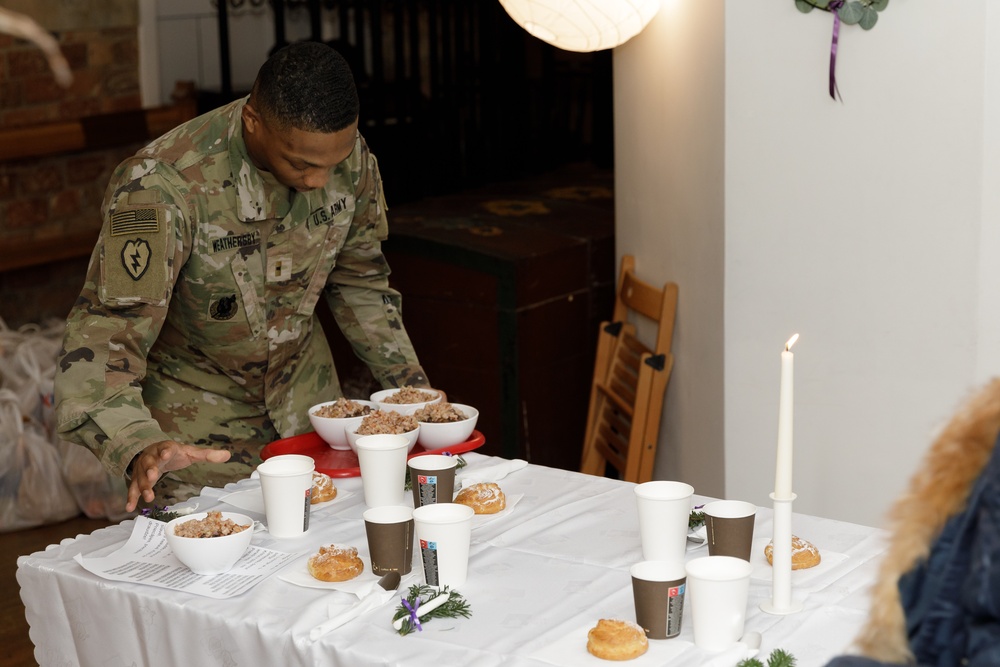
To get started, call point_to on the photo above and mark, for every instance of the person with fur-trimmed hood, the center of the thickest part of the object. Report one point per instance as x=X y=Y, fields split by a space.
x=937 y=597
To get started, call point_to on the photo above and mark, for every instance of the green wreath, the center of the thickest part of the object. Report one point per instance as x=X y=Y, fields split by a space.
x=860 y=12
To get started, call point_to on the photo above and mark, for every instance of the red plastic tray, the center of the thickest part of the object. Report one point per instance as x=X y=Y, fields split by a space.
x=344 y=463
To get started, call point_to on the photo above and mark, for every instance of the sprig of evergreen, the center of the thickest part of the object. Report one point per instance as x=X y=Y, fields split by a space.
x=163 y=514
x=455 y=607
x=778 y=658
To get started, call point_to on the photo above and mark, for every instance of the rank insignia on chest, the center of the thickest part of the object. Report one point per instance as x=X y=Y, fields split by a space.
x=135 y=257
x=279 y=268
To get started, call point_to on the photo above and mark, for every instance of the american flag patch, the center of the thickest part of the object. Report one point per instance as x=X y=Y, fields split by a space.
x=135 y=221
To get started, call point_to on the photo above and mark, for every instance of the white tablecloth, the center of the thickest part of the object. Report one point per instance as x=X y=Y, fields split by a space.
x=540 y=575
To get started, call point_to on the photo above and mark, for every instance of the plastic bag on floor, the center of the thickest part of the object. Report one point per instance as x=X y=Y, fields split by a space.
x=32 y=490
x=28 y=358
x=98 y=494
x=28 y=367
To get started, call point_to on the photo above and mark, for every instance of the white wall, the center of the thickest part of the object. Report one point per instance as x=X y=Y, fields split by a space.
x=988 y=343
x=669 y=196
x=859 y=225
x=180 y=39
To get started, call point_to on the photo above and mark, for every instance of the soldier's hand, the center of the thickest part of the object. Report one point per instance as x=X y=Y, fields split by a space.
x=163 y=457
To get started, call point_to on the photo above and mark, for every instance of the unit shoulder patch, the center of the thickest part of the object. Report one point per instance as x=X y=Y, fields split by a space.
x=134 y=257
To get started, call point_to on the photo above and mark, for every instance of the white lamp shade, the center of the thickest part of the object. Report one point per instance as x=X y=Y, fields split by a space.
x=582 y=25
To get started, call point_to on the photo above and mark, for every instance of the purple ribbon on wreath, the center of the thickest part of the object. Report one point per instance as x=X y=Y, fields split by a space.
x=414 y=619
x=833 y=7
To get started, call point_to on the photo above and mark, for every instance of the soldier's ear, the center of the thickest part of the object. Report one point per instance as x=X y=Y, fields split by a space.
x=251 y=119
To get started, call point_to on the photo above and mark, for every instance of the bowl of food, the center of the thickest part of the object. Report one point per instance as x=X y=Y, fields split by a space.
x=330 y=420
x=445 y=424
x=209 y=542
x=385 y=421
x=405 y=400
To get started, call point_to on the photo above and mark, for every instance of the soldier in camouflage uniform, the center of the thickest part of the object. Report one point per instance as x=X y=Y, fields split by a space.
x=194 y=341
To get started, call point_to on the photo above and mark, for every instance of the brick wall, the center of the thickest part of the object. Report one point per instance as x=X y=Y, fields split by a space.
x=105 y=77
x=46 y=199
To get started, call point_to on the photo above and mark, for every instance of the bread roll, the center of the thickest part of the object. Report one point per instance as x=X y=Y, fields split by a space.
x=483 y=497
x=804 y=554
x=335 y=563
x=323 y=489
x=616 y=640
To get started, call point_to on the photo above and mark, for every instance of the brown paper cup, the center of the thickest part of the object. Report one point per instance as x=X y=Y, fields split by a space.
x=729 y=528
x=432 y=477
x=390 y=538
x=658 y=588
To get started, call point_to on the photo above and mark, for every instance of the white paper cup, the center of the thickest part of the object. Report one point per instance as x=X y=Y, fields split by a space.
x=286 y=484
x=382 y=459
x=444 y=531
x=717 y=591
x=664 y=509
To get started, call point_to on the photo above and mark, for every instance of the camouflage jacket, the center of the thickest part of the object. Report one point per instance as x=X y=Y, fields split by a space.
x=196 y=321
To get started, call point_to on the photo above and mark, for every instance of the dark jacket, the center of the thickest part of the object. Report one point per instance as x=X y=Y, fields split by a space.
x=951 y=598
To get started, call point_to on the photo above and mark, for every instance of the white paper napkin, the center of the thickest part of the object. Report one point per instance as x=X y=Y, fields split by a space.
x=376 y=598
x=512 y=500
x=570 y=650
x=800 y=578
x=253 y=501
x=297 y=573
x=697 y=538
x=730 y=657
x=472 y=475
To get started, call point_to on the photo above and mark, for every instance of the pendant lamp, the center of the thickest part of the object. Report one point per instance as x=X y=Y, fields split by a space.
x=582 y=25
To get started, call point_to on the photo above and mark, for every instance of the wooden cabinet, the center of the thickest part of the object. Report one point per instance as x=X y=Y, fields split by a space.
x=503 y=290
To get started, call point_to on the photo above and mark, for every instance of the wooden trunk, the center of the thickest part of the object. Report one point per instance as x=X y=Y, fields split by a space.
x=503 y=291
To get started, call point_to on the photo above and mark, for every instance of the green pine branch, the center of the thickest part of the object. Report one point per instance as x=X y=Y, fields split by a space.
x=455 y=607
x=778 y=658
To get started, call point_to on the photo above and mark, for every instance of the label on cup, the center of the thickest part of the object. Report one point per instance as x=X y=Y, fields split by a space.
x=675 y=610
x=429 y=556
x=427 y=488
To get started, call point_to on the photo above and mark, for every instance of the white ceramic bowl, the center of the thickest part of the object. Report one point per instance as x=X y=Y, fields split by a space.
x=435 y=435
x=209 y=555
x=411 y=438
x=404 y=408
x=331 y=429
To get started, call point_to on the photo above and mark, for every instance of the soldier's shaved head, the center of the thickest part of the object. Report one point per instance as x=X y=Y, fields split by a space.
x=307 y=86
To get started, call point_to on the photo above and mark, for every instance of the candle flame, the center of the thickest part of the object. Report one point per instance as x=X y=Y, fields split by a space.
x=791 y=341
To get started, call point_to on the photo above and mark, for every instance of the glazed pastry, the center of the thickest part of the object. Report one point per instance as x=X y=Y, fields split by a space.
x=804 y=554
x=323 y=488
x=483 y=497
x=616 y=640
x=335 y=563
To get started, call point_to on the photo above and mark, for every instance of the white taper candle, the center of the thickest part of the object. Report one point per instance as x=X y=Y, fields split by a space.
x=783 y=462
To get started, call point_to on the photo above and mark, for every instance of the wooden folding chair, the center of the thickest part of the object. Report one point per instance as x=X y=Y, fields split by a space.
x=630 y=380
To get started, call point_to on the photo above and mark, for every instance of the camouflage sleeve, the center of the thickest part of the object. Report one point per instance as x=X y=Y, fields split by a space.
x=367 y=310
x=118 y=316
